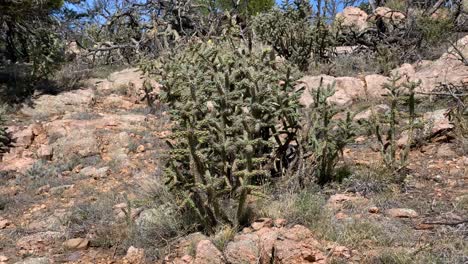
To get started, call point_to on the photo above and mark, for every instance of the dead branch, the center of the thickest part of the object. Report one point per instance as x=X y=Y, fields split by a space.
x=447 y=223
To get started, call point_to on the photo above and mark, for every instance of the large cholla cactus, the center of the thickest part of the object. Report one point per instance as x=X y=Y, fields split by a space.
x=236 y=114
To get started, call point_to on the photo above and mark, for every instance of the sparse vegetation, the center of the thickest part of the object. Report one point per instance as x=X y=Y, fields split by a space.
x=250 y=157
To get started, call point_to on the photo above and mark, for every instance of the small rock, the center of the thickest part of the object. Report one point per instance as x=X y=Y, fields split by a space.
x=60 y=189
x=45 y=152
x=4 y=223
x=95 y=173
x=402 y=213
x=261 y=223
x=360 y=139
x=341 y=216
x=186 y=259
x=423 y=226
x=102 y=172
x=341 y=252
x=374 y=210
x=3 y=258
x=135 y=255
x=76 y=244
x=280 y=222
x=140 y=149
x=454 y=171
x=438 y=178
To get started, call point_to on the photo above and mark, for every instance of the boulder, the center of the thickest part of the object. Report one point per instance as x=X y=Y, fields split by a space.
x=132 y=80
x=374 y=83
x=38 y=241
x=352 y=18
x=244 y=249
x=347 y=89
x=390 y=17
x=207 y=253
x=23 y=138
x=294 y=252
x=48 y=105
x=437 y=121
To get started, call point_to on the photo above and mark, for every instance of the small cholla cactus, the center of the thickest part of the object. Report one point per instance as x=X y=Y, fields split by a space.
x=235 y=112
x=324 y=137
x=389 y=126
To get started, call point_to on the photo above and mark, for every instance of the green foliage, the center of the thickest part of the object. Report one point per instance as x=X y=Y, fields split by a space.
x=246 y=7
x=396 y=5
x=29 y=38
x=292 y=33
x=389 y=126
x=236 y=113
x=434 y=30
x=324 y=137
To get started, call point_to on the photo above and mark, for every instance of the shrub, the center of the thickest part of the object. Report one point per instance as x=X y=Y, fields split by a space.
x=236 y=114
x=434 y=30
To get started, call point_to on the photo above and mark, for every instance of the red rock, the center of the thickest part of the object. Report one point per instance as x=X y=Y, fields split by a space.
x=262 y=222
x=280 y=222
x=207 y=253
x=244 y=249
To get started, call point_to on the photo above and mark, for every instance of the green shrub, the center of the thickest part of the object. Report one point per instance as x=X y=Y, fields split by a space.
x=434 y=30
x=235 y=114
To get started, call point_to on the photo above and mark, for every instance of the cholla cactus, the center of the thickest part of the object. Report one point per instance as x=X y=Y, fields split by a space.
x=236 y=112
x=293 y=34
x=323 y=137
x=387 y=127
x=4 y=137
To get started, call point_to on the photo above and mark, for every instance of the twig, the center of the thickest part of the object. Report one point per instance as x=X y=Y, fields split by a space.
x=440 y=93
x=447 y=223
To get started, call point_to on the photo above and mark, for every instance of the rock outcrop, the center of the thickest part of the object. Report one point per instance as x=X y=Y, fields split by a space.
x=266 y=241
